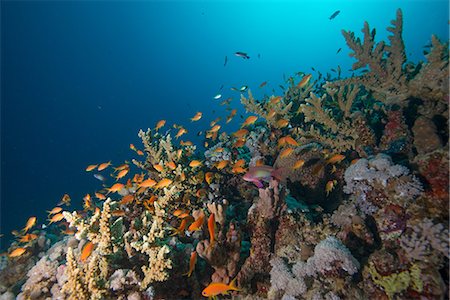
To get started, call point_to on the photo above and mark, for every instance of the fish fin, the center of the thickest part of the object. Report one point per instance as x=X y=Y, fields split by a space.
x=258 y=184
x=232 y=285
x=279 y=174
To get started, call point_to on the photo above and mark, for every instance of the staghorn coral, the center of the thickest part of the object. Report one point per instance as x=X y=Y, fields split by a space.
x=74 y=286
x=389 y=78
x=158 y=266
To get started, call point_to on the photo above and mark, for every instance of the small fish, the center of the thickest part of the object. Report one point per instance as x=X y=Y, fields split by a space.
x=290 y=141
x=226 y=60
x=122 y=167
x=56 y=218
x=171 y=165
x=242 y=54
x=330 y=186
x=127 y=199
x=163 y=183
x=115 y=188
x=271 y=114
x=91 y=167
x=197 y=117
x=158 y=167
x=195 y=163
x=87 y=202
x=263 y=84
x=226 y=101
x=30 y=223
x=197 y=224
x=100 y=196
x=17 y=252
x=234 y=89
x=239 y=163
x=209 y=177
x=65 y=200
x=337 y=158
x=298 y=164
x=180 y=229
x=86 y=251
x=249 y=121
x=132 y=147
x=239 y=143
x=243 y=88
x=281 y=87
x=286 y=152
x=122 y=174
x=28 y=238
x=99 y=177
x=217 y=288
x=180 y=132
x=103 y=166
x=275 y=100
x=218 y=96
x=282 y=123
x=55 y=210
x=339 y=50
x=148 y=183
x=192 y=262
x=160 y=124
x=215 y=128
x=261 y=173
x=222 y=164
x=304 y=81
x=334 y=15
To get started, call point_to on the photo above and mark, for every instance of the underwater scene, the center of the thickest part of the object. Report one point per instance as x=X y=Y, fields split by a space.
x=224 y=150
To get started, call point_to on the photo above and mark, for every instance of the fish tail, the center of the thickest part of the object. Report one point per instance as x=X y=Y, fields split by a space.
x=232 y=285
x=279 y=174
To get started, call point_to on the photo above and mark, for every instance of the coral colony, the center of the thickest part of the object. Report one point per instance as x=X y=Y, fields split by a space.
x=336 y=189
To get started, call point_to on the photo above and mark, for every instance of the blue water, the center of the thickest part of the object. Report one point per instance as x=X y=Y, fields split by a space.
x=79 y=79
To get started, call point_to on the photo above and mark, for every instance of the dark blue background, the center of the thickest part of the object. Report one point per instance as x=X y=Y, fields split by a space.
x=79 y=79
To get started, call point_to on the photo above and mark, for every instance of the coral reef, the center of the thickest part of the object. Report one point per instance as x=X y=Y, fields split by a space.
x=345 y=196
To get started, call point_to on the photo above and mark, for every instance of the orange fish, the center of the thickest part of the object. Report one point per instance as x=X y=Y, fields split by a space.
x=240 y=133
x=208 y=177
x=281 y=141
x=91 y=167
x=298 y=164
x=219 y=150
x=87 y=202
x=180 y=132
x=239 y=143
x=158 y=167
x=217 y=288
x=86 y=251
x=180 y=229
x=17 y=252
x=138 y=178
x=304 y=81
x=212 y=230
x=271 y=114
x=122 y=167
x=238 y=170
x=195 y=163
x=139 y=152
x=100 y=196
x=56 y=218
x=132 y=147
x=197 y=117
x=337 y=158
x=192 y=262
x=354 y=161
x=163 y=183
x=103 y=166
x=286 y=152
x=197 y=224
x=249 y=121
x=127 y=199
x=215 y=128
x=148 y=183
x=65 y=200
x=178 y=212
x=239 y=163
x=222 y=164
x=115 y=188
x=118 y=213
x=160 y=124
x=122 y=174
x=290 y=141
x=330 y=186
x=28 y=238
x=275 y=100
x=55 y=210
x=187 y=143
x=30 y=223
x=171 y=165
x=282 y=123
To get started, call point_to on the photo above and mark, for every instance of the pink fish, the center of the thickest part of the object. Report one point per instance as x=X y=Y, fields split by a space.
x=262 y=173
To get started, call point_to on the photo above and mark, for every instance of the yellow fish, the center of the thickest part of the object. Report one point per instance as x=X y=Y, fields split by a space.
x=197 y=117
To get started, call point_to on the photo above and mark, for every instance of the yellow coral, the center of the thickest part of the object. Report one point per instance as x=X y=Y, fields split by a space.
x=397 y=282
x=158 y=265
x=74 y=287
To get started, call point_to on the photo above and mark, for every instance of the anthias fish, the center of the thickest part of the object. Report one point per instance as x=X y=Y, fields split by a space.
x=261 y=173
